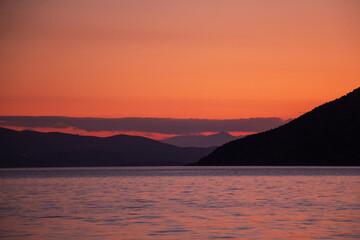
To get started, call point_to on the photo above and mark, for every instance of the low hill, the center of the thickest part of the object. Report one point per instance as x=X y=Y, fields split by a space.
x=35 y=149
x=328 y=135
x=217 y=139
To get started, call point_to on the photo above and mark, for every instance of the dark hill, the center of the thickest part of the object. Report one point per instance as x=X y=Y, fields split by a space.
x=35 y=149
x=217 y=139
x=327 y=135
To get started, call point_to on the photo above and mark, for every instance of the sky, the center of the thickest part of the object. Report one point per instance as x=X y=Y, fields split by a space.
x=181 y=59
x=156 y=128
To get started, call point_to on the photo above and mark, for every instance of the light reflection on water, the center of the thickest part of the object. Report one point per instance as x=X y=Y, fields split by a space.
x=180 y=203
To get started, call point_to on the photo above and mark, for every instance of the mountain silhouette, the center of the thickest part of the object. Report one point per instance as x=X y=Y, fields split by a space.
x=36 y=149
x=217 y=139
x=329 y=135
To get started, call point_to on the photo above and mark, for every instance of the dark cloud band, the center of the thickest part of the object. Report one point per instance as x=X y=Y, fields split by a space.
x=157 y=125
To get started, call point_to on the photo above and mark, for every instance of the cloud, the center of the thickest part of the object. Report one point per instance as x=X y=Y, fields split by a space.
x=154 y=125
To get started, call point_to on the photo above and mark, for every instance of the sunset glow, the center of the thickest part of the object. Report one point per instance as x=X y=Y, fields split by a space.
x=179 y=119
x=179 y=59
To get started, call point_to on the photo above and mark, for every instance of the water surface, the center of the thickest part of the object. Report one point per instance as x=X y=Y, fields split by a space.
x=180 y=203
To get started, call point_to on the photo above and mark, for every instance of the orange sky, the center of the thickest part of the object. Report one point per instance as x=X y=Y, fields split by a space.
x=180 y=59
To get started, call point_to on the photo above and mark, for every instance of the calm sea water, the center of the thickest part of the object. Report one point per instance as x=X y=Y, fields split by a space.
x=180 y=203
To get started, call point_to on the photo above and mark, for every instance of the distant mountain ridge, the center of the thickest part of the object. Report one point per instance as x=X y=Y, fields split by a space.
x=327 y=135
x=217 y=139
x=36 y=149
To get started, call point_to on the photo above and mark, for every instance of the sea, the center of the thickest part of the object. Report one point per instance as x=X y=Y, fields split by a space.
x=180 y=203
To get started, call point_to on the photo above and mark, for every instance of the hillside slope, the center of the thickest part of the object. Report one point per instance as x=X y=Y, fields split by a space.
x=327 y=135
